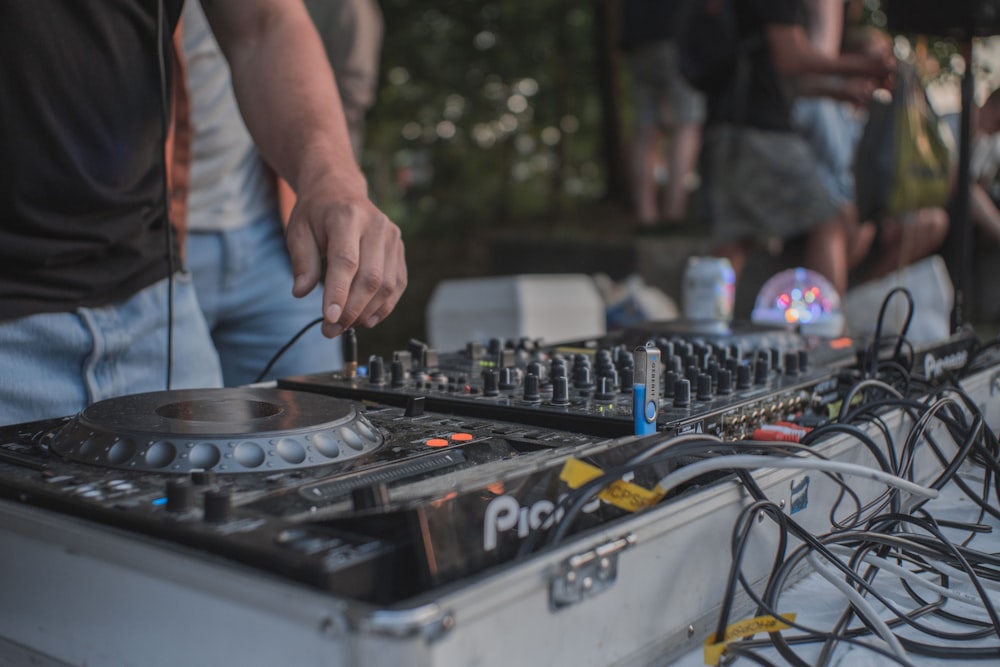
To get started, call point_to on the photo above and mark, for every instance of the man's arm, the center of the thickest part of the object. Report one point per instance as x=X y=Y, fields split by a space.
x=289 y=101
x=793 y=55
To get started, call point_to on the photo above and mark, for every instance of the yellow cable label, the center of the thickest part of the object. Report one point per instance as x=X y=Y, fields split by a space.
x=747 y=628
x=833 y=409
x=623 y=495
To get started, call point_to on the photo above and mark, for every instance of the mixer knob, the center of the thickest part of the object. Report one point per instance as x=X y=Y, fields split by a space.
x=397 y=374
x=627 y=378
x=508 y=379
x=669 y=383
x=791 y=363
x=496 y=346
x=218 y=505
x=531 y=389
x=742 y=376
x=666 y=347
x=180 y=495
x=404 y=357
x=690 y=360
x=674 y=363
x=682 y=394
x=704 y=387
x=491 y=382
x=376 y=370
x=605 y=388
x=560 y=391
x=761 y=368
x=603 y=362
x=615 y=378
x=725 y=382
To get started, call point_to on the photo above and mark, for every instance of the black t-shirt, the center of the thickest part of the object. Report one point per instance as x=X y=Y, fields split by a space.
x=765 y=100
x=82 y=210
x=648 y=21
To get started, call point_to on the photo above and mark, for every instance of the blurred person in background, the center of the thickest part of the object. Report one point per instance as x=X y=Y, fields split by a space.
x=236 y=207
x=891 y=241
x=760 y=182
x=984 y=209
x=668 y=115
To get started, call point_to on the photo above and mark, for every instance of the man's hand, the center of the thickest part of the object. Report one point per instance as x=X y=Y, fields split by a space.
x=288 y=97
x=365 y=262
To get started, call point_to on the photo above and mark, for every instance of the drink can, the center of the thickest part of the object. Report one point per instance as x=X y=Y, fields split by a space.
x=709 y=289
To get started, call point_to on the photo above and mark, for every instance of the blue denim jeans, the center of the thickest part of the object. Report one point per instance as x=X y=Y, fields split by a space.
x=244 y=282
x=833 y=131
x=55 y=364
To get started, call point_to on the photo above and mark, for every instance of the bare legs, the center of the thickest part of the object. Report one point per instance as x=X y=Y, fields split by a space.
x=909 y=238
x=681 y=161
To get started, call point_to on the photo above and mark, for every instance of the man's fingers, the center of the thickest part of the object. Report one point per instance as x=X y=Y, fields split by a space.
x=305 y=258
x=368 y=291
x=393 y=285
x=343 y=259
x=365 y=272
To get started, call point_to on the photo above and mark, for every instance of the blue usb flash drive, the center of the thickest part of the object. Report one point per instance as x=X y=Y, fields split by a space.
x=646 y=389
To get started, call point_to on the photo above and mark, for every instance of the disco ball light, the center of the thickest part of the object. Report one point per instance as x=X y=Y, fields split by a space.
x=801 y=299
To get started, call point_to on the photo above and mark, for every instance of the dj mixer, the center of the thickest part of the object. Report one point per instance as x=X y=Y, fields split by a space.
x=724 y=383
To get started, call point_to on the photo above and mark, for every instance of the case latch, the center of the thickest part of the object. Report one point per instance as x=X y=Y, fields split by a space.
x=589 y=573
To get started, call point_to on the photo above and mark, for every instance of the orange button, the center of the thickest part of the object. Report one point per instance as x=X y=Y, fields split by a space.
x=461 y=437
x=437 y=442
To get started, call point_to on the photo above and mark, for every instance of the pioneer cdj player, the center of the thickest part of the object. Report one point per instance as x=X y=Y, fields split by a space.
x=368 y=501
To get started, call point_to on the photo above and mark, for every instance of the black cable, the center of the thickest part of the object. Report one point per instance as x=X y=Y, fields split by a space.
x=738 y=543
x=845 y=406
x=974 y=443
x=688 y=445
x=873 y=361
x=928 y=524
x=162 y=39
x=284 y=348
x=886 y=464
x=768 y=607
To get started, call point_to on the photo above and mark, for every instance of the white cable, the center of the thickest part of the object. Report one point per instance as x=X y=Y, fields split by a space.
x=861 y=605
x=755 y=461
x=913 y=577
x=957 y=573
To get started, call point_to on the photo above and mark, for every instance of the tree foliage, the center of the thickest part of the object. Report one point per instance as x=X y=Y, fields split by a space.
x=488 y=113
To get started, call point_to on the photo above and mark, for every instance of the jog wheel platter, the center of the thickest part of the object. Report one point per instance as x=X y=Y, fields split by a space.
x=225 y=430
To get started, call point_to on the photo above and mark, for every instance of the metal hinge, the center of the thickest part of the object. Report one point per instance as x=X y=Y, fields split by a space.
x=589 y=573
